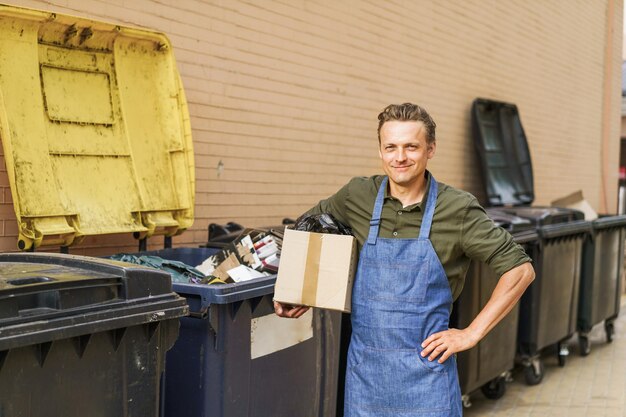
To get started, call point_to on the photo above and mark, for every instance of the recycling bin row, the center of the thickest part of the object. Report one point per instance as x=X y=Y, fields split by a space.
x=578 y=268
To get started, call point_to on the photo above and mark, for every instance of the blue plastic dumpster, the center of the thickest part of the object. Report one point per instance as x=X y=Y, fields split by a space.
x=235 y=357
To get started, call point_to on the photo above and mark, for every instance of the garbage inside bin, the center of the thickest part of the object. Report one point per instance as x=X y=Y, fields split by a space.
x=241 y=259
x=549 y=306
x=252 y=254
x=84 y=336
x=179 y=271
x=223 y=232
x=321 y=223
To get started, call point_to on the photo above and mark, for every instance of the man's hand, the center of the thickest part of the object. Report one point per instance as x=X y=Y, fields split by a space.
x=508 y=291
x=289 y=311
x=445 y=344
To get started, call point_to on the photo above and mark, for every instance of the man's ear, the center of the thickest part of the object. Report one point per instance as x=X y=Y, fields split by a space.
x=432 y=147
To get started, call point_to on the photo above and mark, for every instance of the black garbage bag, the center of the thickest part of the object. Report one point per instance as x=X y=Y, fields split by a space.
x=321 y=223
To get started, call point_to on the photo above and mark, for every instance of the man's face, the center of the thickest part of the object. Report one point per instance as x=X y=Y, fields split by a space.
x=404 y=151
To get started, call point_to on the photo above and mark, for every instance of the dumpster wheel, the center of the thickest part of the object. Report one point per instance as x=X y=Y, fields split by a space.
x=584 y=344
x=495 y=388
x=533 y=372
x=562 y=353
x=609 y=328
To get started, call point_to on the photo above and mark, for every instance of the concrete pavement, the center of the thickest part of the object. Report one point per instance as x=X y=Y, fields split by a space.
x=592 y=386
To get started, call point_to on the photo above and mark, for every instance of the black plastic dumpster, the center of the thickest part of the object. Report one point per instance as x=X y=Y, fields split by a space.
x=83 y=337
x=548 y=309
x=486 y=366
x=600 y=282
x=235 y=357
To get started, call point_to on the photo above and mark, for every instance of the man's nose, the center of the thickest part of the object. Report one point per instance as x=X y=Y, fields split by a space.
x=400 y=154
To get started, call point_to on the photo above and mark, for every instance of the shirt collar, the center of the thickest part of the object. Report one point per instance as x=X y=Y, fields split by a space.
x=419 y=205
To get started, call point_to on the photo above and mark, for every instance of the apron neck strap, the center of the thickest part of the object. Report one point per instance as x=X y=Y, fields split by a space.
x=427 y=220
x=431 y=201
x=378 y=209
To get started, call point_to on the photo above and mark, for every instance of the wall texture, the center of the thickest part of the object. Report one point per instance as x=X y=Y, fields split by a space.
x=284 y=94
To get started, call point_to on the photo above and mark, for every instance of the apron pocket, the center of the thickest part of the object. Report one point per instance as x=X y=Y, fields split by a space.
x=395 y=281
x=396 y=380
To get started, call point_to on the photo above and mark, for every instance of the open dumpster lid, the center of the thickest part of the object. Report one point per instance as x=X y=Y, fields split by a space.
x=503 y=153
x=95 y=129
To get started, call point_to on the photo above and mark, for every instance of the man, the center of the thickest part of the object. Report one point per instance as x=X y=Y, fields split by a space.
x=416 y=239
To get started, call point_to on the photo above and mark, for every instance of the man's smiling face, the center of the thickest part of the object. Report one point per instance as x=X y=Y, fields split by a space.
x=405 y=151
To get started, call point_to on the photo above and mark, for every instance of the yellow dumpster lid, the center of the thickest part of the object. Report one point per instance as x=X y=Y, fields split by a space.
x=95 y=129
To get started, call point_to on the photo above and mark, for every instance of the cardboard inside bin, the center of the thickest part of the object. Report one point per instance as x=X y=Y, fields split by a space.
x=576 y=201
x=95 y=129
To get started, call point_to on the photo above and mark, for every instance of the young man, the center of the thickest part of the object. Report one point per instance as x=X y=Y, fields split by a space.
x=416 y=238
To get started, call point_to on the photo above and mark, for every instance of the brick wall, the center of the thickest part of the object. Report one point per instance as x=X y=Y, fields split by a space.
x=284 y=95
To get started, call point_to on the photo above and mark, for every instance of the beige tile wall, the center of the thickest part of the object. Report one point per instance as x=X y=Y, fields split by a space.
x=284 y=94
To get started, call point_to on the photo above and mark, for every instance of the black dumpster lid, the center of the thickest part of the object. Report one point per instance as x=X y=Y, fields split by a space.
x=503 y=153
x=607 y=222
x=508 y=221
x=540 y=216
x=45 y=297
x=575 y=228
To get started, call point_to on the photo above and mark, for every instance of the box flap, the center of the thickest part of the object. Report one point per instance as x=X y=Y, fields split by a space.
x=95 y=129
x=503 y=153
x=576 y=201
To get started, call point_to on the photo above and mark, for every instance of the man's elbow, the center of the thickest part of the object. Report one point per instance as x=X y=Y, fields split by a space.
x=527 y=274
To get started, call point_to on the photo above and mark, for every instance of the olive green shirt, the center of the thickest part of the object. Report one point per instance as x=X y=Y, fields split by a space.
x=460 y=230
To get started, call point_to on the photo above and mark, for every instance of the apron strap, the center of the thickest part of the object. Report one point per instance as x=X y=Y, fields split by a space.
x=427 y=220
x=378 y=209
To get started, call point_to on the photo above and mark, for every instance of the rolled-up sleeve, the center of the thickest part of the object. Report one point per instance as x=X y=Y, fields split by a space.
x=482 y=240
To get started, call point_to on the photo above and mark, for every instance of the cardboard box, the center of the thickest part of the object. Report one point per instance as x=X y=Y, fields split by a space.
x=316 y=270
x=578 y=202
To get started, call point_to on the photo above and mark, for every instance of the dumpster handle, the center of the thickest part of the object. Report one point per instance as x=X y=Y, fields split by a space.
x=202 y=314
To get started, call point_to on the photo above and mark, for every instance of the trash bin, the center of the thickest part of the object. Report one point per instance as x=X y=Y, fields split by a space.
x=83 y=337
x=235 y=357
x=600 y=282
x=487 y=365
x=549 y=307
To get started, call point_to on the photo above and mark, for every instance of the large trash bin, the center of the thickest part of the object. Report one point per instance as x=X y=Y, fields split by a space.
x=549 y=307
x=600 y=281
x=235 y=357
x=82 y=336
x=486 y=365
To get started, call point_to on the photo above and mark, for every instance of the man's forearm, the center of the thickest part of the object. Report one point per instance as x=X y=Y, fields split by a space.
x=507 y=293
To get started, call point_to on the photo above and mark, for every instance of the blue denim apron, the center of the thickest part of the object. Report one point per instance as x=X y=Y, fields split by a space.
x=400 y=297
